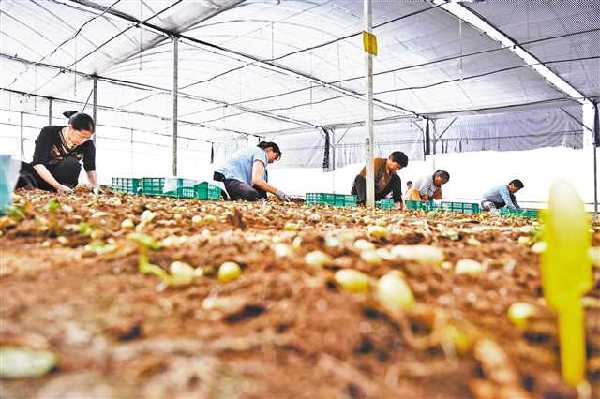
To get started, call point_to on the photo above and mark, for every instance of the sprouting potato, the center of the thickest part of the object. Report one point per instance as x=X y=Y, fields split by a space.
x=419 y=253
x=519 y=313
x=317 y=259
x=352 y=280
x=229 y=271
x=468 y=266
x=127 y=224
x=393 y=292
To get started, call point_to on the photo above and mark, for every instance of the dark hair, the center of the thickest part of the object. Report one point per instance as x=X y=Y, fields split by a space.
x=270 y=144
x=409 y=182
x=400 y=158
x=443 y=174
x=517 y=183
x=80 y=121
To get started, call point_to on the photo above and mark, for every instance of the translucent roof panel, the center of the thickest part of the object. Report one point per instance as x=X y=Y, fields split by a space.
x=415 y=34
x=562 y=33
x=258 y=67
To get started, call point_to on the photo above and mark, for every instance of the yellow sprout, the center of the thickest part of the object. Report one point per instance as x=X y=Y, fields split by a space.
x=377 y=232
x=229 y=271
x=519 y=313
x=394 y=293
x=352 y=280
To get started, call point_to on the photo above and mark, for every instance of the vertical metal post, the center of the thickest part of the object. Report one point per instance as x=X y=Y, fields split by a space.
x=594 y=146
x=174 y=98
x=95 y=105
x=369 y=121
x=49 y=111
x=434 y=143
x=595 y=143
x=426 y=148
x=333 y=149
x=22 y=149
x=131 y=152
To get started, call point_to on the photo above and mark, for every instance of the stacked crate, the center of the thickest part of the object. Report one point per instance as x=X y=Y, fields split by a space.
x=127 y=185
x=338 y=200
x=155 y=186
x=461 y=207
x=524 y=213
x=205 y=191
x=419 y=205
x=447 y=206
x=385 y=204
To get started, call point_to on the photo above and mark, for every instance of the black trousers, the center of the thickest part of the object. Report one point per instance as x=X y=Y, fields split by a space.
x=238 y=190
x=359 y=188
x=65 y=172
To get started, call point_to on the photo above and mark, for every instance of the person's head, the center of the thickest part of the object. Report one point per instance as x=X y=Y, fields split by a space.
x=515 y=185
x=81 y=126
x=271 y=149
x=441 y=177
x=409 y=184
x=396 y=161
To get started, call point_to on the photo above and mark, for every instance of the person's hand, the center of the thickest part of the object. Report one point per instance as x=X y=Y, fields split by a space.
x=62 y=189
x=282 y=196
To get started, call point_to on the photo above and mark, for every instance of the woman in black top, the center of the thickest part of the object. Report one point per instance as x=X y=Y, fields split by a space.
x=58 y=152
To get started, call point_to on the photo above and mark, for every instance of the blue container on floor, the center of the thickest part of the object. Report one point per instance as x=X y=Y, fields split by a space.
x=5 y=189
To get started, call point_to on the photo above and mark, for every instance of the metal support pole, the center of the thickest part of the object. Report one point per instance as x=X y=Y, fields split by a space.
x=131 y=152
x=594 y=146
x=49 y=111
x=595 y=143
x=333 y=149
x=174 y=98
x=95 y=104
x=434 y=143
x=369 y=121
x=21 y=140
x=426 y=146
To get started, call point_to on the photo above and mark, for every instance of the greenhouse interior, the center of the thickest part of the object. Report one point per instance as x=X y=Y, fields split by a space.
x=299 y=199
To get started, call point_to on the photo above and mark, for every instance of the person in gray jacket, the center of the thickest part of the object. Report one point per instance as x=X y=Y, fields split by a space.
x=502 y=196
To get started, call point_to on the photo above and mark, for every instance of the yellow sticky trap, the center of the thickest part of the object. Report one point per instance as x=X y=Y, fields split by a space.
x=370 y=43
x=567 y=273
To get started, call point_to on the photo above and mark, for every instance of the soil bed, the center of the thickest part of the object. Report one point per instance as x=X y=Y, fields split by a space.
x=70 y=283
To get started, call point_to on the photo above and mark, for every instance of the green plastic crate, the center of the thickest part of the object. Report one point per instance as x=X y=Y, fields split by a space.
x=205 y=191
x=345 y=200
x=525 y=213
x=185 y=192
x=126 y=185
x=330 y=199
x=320 y=199
x=155 y=186
x=385 y=204
x=460 y=207
x=419 y=205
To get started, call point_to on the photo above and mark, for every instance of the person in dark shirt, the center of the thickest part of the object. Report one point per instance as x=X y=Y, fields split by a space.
x=386 y=179
x=58 y=152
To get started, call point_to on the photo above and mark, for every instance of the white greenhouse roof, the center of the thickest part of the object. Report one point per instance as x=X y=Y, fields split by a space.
x=259 y=67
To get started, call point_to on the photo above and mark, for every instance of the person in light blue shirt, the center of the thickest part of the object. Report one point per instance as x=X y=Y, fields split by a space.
x=502 y=196
x=429 y=187
x=245 y=176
